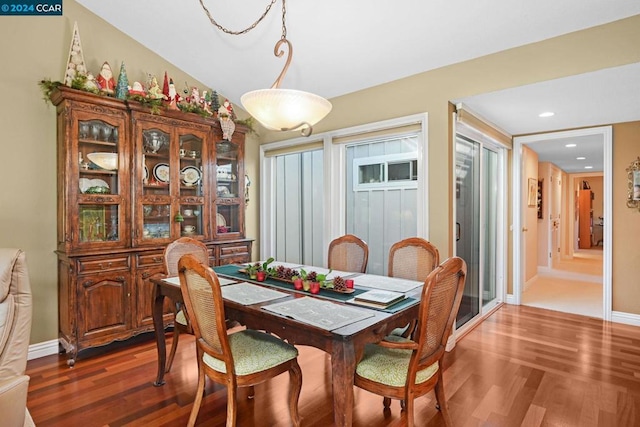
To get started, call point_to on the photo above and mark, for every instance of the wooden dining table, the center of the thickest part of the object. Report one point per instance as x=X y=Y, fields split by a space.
x=345 y=344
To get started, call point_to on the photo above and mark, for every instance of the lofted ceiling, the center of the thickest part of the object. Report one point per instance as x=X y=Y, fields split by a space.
x=344 y=46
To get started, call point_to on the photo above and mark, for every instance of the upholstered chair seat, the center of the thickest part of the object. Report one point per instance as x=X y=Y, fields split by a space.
x=253 y=352
x=390 y=366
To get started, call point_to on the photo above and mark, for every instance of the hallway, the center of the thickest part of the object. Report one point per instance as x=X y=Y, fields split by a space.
x=575 y=286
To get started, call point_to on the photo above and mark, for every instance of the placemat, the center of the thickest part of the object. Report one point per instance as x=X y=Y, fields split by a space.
x=386 y=283
x=322 y=314
x=248 y=294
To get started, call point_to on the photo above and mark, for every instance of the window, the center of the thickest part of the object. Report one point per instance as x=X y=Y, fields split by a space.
x=389 y=171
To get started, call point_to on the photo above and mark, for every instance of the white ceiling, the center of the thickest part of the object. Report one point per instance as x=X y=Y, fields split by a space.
x=345 y=46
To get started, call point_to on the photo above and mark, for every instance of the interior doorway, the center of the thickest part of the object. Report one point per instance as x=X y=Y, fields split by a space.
x=557 y=277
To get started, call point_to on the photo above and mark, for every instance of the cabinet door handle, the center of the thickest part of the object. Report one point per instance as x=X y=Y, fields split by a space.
x=146 y=275
x=157 y=259
x=102 y=266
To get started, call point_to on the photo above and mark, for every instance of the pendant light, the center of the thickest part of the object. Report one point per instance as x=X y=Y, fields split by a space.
x=281 y=109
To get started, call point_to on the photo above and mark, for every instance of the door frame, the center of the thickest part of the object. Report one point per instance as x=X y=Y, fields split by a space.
x=517 y=205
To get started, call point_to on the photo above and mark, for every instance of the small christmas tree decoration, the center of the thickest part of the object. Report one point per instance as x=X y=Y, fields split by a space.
x=165 y=87
x=76 y=65
x=122 y=88
x=215 y=102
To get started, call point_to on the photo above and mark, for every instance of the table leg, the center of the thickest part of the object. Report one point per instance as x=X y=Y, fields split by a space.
x=343 y=364
x=158 y=325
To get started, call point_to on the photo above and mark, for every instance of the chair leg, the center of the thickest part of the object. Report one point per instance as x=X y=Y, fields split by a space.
x=232 y=404
x=408 y=411
x=174 y=347
x=386 y=401
x=442 y=401
x=295 y=386
x=198 y=399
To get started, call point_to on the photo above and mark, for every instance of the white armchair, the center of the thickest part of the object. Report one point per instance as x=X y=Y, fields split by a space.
x=15 y=329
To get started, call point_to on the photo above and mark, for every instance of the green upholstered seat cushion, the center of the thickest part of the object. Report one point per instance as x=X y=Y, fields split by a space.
x=254 y=351
x=181 y=318
x=390 y=366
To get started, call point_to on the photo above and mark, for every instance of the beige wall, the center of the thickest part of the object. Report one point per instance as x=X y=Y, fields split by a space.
x=625 y=222
x=529 y=215
x=34 y=48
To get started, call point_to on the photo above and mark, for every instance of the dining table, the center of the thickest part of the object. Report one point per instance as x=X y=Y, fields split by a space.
x=344 y=342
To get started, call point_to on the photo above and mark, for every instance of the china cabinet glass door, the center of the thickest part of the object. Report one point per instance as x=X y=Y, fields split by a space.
x=156 y=178
x=192 y=157
x=229 y=190
x=98 y=165
x=171 y=163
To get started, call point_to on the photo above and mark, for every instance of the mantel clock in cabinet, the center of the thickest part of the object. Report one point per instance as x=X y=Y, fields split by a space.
x=129 y=183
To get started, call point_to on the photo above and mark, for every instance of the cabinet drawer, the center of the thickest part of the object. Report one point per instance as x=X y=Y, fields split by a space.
x=91 y=265
x=234 y=250
x=235 y=259
x=150 y=259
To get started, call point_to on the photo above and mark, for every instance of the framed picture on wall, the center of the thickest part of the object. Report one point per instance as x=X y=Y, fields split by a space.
x=533 y=192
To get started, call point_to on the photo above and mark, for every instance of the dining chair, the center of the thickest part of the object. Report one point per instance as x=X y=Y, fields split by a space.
x=172 y=254
x=412 y=258
x=400 y=368
x=348 y=253
x=241 y=359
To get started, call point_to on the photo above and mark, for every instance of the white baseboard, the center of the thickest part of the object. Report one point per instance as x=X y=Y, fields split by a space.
x=42 y=349
x=529 y=282
x=626 y=318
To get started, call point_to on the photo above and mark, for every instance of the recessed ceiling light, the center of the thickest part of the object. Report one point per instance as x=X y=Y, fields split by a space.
x=570 y=145
x=546 y=114
x=588 y=167
x=580 y=158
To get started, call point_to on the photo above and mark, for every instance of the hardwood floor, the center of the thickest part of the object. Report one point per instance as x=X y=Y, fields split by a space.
x=523 y=366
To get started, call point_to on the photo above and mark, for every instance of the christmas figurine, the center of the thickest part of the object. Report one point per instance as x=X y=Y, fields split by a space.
x=174 y=98
x=154 y=89
x=225 y=114
x=137 y=89
x=105 y=79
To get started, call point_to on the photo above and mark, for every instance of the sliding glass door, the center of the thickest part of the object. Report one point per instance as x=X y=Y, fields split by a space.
x=478 y=218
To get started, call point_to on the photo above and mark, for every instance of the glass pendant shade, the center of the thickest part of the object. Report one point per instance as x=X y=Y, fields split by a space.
x=285 y=109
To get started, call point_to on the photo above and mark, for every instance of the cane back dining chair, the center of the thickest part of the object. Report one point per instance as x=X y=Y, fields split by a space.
x=172 y=254
x=241 y=359
x=399 y=368
x=412 y=259
x=348 y=253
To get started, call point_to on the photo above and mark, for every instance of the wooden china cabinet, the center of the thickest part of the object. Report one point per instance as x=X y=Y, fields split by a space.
x=166 y=175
